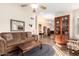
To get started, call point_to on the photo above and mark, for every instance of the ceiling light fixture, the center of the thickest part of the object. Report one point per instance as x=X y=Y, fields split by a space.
x=35 y=6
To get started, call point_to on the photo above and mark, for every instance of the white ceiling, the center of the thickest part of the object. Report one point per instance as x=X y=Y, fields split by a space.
x=59 y=7
x=53 y=8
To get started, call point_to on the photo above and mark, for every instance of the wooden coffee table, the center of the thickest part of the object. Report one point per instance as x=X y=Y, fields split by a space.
x=27 y=46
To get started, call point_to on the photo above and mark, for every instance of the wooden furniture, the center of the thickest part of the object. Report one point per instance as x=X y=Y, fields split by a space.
x=25 y=47
x=61 y=30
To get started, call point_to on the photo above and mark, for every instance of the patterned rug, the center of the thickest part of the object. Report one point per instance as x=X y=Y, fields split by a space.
x=46 y=50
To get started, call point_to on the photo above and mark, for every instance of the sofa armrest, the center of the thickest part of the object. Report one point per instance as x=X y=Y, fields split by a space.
x=2 y=45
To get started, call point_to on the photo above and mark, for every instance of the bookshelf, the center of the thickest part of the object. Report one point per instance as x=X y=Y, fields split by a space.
x=61 y=30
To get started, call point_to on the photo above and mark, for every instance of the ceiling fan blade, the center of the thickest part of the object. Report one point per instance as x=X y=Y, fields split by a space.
x=43 y=7
x=24 y=5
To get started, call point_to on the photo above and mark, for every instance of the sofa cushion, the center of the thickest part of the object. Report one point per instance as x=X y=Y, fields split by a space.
x=17 y=36
x=15 y=42
x=11 y=43
x=29 y=34
x=7 y=36
x=23 y=36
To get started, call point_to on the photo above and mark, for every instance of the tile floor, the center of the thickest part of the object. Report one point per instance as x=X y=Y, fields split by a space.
x=58 y=51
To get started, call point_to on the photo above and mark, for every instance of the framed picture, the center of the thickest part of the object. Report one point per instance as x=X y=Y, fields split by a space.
x=16 y=25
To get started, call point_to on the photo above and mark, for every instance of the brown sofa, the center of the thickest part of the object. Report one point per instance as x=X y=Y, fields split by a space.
x=9 y=41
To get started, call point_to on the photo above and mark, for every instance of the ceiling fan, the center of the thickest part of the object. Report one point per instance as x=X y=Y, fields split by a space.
x=41 y=6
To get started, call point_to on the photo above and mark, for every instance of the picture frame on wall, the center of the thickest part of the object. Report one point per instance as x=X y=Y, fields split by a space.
x=16 y=25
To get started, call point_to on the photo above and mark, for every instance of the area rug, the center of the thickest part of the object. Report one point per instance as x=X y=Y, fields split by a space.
x=46 y=50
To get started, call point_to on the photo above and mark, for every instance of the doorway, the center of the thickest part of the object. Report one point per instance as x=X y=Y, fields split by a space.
x=44 y=31
x=40 y=31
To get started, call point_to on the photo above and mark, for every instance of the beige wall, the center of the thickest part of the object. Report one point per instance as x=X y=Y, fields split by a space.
x=75 y=17
x=14 y=11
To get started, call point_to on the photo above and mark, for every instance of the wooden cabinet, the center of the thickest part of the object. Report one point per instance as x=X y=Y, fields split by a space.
x=61 y=30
